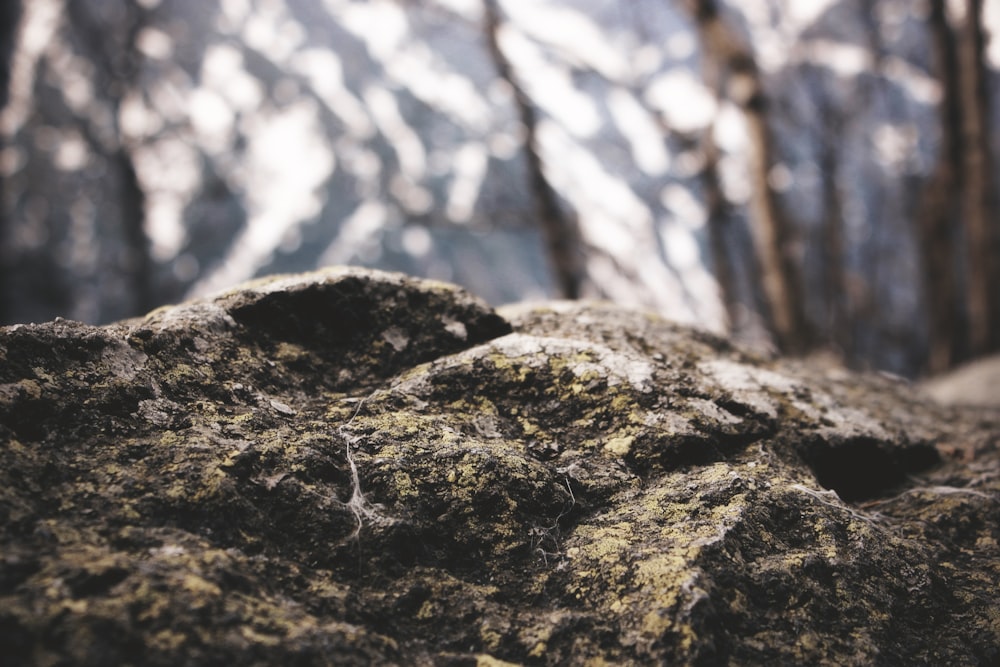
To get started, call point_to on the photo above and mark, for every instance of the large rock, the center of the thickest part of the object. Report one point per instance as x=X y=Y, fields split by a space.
x=353 y=467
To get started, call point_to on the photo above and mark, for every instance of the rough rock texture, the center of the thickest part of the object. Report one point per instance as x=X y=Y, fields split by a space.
x=353 y=467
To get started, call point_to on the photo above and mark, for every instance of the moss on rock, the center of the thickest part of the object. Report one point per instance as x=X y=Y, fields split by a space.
x=353 y=467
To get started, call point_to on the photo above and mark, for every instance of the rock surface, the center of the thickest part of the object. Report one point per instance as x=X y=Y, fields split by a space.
x=353 y=467
x=975 y=383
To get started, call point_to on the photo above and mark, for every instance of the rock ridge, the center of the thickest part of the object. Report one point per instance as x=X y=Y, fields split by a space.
x=356 y=467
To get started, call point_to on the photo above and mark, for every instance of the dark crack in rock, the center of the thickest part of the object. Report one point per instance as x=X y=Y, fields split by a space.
x=353 y=467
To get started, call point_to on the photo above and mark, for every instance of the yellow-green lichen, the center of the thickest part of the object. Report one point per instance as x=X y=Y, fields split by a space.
x=584 y=491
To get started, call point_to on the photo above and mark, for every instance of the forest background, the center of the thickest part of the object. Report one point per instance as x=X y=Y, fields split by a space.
x=810 y=176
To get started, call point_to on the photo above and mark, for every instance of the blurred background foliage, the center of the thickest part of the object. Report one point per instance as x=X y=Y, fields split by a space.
x=815 y=177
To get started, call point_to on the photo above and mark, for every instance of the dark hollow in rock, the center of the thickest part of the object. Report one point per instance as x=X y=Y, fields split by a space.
x=863 y=468
x=353 y=467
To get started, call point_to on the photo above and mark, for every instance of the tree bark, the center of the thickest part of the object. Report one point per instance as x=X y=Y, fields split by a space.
x=838 y=293
x=960 y=196
x=773 y=232
x=718 y=221
x=118 y=58
x=562 y=237
x=718 y=208
x=10 y=18
x=935 y=224
x=978 y=205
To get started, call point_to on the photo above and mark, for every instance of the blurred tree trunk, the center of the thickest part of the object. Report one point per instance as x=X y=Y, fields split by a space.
x=720 y=211
x=10 y=17
x=978 y=204
x=936 y=222
x=960 y=196
x=118 y=57
x=775 y=242
x=562 y=237
x=718 y=221
x=838 y=293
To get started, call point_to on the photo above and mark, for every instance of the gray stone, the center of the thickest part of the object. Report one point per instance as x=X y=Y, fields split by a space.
x=353 y=467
